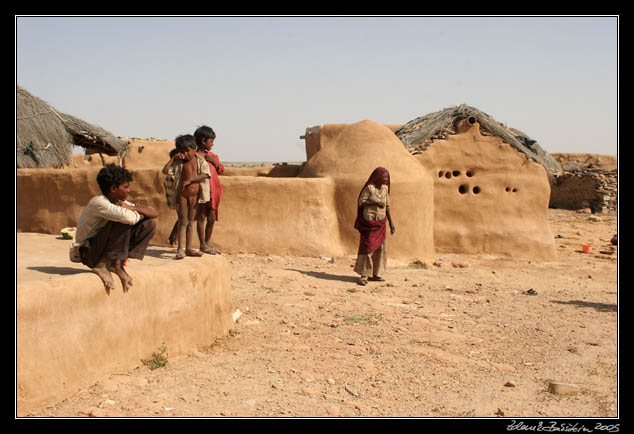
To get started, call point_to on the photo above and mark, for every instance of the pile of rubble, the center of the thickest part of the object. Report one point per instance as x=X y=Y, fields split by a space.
x=580 y=186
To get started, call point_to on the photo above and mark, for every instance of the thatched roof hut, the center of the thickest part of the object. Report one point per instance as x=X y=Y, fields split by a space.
x=45 y=137
x=419 y=133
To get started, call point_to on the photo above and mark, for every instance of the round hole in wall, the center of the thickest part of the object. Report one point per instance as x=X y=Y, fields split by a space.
x=508 y=188
x=456 y=173
x=463 y=189
x=469 y=173
x=515 y=190
x=448 y=175
x=476 y=190
x=440 y=174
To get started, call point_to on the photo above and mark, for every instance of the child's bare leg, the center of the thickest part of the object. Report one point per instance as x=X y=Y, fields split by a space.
x=203 y=231
x=101 y=270
x=117 y=268
x=200 y=226
x=172 y=240
x=211 y=219
x=189 y=249
x=182 y=229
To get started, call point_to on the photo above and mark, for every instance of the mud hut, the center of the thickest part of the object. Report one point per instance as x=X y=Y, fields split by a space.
x=45 y=137
x=491 y=183
x=347 y=154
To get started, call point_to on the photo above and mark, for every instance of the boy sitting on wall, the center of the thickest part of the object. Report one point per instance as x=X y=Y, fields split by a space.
x=111 y=229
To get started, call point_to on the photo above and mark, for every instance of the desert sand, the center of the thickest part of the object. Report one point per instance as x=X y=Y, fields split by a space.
x=461 y=336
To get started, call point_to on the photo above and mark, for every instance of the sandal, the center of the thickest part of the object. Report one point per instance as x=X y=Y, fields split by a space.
x=194 y=252
x=180 y=254
x=363 y=281
x=210 y=250
x=377 y=279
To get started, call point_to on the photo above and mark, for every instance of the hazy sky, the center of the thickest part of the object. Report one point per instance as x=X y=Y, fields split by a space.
x=260 y=81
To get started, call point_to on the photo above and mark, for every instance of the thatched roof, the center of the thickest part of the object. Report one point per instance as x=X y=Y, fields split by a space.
x=419 y=133
x=45 y=137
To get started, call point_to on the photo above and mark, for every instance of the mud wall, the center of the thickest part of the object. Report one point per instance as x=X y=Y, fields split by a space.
x=283 y=216
x=488 y=197
x=69 y=334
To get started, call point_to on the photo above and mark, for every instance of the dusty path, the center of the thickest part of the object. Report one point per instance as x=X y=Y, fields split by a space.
x=459 y=338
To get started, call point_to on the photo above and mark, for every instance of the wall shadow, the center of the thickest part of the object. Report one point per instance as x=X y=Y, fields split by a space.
x=600 y=307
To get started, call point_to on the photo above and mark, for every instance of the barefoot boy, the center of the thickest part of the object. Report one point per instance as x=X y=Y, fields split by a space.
x=111 y=229
x=208 y=211
x=192 y=173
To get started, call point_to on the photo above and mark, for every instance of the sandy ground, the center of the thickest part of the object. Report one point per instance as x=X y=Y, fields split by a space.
x=462 y=337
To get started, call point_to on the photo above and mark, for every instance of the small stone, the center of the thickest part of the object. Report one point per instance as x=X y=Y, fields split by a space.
x=106 y=402
x=333 y=410
x=509 y=384
x=237 y=314
x=563 y=388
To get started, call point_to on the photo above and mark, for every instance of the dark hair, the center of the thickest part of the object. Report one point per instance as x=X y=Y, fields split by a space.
x=203 y=133
x=185 y=141
x=112 y=175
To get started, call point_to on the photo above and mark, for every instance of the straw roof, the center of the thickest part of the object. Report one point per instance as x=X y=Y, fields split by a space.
x=45 y=137
x=419 y=133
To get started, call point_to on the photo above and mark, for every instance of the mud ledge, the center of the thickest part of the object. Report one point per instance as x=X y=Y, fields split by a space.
x=70 y=333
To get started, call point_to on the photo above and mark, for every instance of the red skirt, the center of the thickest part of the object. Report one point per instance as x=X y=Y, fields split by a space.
x=372 y=233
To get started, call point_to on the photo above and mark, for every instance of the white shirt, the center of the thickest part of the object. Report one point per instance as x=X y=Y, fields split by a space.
x=98 y=213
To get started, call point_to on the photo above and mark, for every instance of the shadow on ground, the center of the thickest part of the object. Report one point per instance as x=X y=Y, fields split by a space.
x=327 y=276
x=600 y=307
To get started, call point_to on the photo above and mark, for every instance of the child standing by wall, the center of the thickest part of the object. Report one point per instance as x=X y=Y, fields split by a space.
x=205 y=137
x=171 y=184
x=191 y=173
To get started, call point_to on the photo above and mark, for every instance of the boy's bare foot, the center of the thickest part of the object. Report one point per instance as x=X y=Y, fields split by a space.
x=101 y=270
x=117 y=268
x=180 y=254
